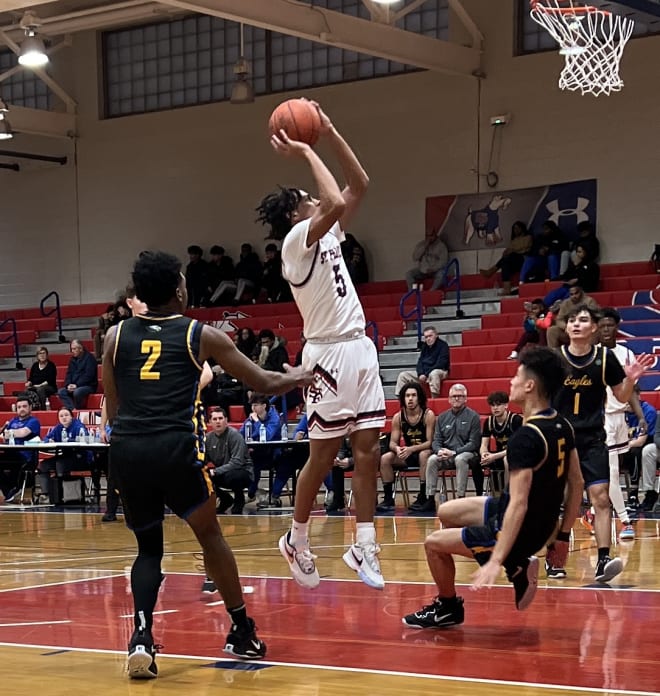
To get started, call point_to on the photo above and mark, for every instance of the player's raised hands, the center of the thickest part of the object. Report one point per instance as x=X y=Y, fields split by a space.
x=635 y=369
x=326 y=123
x=286 y=147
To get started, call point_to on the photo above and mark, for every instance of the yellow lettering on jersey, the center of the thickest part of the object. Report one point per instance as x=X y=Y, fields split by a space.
x=561 y=456
x=153 y=350
x=584 y=381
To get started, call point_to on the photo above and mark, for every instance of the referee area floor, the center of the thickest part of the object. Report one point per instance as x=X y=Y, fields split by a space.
x=66 y=615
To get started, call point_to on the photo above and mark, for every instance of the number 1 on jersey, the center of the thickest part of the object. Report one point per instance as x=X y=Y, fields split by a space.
x=153 y=350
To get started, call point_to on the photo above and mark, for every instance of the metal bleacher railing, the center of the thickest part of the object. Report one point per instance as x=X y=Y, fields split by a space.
x=12 y=336
x=418 y=310
x=55 y=310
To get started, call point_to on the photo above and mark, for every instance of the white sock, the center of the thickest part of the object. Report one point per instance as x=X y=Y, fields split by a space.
x=366 y=533
x=299 y=536
x=616 y=496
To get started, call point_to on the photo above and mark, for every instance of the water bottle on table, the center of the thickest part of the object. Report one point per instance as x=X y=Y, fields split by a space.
x=248 y=431
x=262 y=433
x=284 y=432
x=65 y=435
x=12 y=441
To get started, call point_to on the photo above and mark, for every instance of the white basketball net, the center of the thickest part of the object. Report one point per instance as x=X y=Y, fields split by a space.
x=591 y=41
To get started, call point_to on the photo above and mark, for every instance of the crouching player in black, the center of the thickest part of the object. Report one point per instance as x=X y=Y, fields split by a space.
x=506 y=531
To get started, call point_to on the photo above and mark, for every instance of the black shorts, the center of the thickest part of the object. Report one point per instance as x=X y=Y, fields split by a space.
x=481 y=539
x=411 y=463
x=594 y=460
x=154 y=471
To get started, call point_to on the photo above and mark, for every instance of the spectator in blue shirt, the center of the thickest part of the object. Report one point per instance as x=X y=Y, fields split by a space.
x=67 y=460
x=13 y=464
x=266 y=416
x=81 y=377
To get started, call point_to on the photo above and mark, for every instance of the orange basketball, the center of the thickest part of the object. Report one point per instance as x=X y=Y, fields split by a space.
x=298 y=118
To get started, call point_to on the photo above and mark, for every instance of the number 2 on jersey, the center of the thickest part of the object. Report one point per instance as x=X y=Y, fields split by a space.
x=153 y=350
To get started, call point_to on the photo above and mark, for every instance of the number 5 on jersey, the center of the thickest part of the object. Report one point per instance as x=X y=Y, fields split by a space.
x=152 y=349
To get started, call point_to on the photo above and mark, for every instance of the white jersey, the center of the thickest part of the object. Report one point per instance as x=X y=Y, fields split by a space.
x=623 y=355
x=321 y=285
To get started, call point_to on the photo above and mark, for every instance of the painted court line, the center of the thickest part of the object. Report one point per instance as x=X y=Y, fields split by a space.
x=388 y=673
x=62 y=582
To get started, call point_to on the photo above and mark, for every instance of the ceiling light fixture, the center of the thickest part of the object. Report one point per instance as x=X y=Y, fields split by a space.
x=33 y=51
x=242 y=91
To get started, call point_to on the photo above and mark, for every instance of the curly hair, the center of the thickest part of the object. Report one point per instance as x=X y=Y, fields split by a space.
x=275 y=210
x=156 y=276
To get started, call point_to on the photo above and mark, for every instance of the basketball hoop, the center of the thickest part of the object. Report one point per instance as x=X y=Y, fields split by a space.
x=591 y=41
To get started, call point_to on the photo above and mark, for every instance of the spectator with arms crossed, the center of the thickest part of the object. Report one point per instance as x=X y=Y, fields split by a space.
x=81 y=377
x=432 y=364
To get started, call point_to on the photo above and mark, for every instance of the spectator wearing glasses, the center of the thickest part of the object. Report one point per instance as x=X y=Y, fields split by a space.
x=432 y=365
x=455 y=445
x=556 y=334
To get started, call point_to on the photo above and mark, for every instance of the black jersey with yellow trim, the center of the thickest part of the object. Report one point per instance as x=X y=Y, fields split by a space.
x=581 y=399
x=157 y=375
x=543 y=443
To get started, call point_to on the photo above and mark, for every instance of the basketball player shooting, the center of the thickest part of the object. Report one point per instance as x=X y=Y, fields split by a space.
x=346 y=395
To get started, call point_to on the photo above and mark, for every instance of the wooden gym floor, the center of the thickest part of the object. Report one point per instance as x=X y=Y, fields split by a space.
x=66 y=616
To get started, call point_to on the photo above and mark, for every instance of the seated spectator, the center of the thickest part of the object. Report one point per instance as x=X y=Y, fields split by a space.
x=410 y=447
x=246 y=342
x=247 y=276
x=273 y=356
x=229 y=463
x=535 y=326
x=264 y=416
x=105 y=321
x=431 y=257
x=343 y=462
x=196 y=276
x=586 y=237
x=64 y=461
x=556 y=334
x=299 y=354
x=223 y=390
x=512 y=257
x=353 y=254
x=43 y=377
x=650 y=464
x=272 y=282
x=639 y=438
x=432 y=364
x=584 y=273
x=498 y=427
x=545 y=254
x=16 y=464
x=219 y=269
x=81 y=377
x=455 y=445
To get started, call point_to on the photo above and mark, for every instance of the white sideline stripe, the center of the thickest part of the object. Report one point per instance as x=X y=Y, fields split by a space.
x=121 y=574
x=62 y=582
x=35 y=623
x=358 y=670
x=162 y=611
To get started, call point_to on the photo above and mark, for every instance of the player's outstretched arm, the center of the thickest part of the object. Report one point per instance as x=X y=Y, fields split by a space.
x=217 y=345
x=332 y=204
x=357 y=179
x=634 y=370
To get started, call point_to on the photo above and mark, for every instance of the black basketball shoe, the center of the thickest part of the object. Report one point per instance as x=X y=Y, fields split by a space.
x=243 y=643
x=142 y=655
x=441 y=613
x=525 y=579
